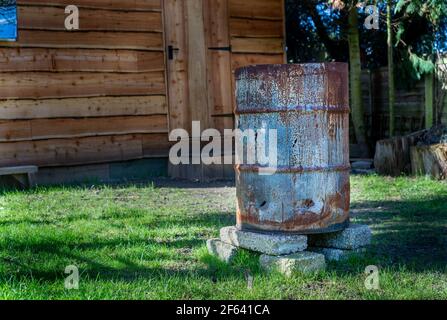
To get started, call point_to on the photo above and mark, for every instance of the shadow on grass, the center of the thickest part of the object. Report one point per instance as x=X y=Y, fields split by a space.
x=406 y=234
x=159 y=220
x=155 y=183
x=22 y=255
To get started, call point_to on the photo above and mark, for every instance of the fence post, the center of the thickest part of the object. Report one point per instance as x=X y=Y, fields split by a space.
x=429 y=100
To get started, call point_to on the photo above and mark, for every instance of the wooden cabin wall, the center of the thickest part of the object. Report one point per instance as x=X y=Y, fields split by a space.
x=93 y=95
x=257 y=33
x=100 y=94
x=212 y=38
x=233 y=34
x=254 y=29
x=257 y=30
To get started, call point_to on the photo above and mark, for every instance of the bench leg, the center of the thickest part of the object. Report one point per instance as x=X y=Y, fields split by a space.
x=31 y=180
x=22 y=179
x=25 y=180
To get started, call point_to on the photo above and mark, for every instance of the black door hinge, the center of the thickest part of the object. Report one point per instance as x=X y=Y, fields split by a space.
x=220 y=48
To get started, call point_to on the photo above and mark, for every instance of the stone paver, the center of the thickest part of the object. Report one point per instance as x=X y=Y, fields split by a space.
x=354 y=237
x=271 y=244
x=224 y=251
x=332 y=254
x=301 y=262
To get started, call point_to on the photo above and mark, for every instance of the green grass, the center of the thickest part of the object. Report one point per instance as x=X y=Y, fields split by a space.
x=143 y=242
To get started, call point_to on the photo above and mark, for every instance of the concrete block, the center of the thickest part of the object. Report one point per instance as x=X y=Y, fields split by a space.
x=362 y=165
x=272 y=244
x=224 y=251
x=301 y=262
x=363 y=171
x=332 y=254
x=353 y=237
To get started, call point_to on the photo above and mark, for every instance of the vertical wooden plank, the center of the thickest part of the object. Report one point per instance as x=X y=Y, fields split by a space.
x=219 y=64
x=177 y=67
x=197 y=62
x=217 y=23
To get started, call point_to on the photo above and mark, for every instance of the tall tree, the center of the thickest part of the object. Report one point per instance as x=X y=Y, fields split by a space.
x=391 y=85
x=419 y=27
x=355 y=66
x=414 y=33
x=422 y=49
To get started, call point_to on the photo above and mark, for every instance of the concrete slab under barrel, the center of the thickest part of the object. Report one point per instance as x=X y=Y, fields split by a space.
x=272 y=244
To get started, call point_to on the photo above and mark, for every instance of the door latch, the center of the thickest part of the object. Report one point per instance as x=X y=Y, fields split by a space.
x=171 y=50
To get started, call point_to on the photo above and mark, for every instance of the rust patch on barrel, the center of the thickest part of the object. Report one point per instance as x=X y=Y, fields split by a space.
x=335 y=212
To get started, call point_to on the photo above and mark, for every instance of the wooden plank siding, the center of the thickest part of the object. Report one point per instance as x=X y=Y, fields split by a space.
x=177 y=67
x=43 y=85
x=83 y=60
x=237 y=33
x=241 y=60
x=120 y=5
x=257 y=27
x=52 y=18
x=217 y=32
x=92 y=95
x=79 y=151
x=87 y=40
x=82 y=107
x=257 y=33
x=108 y=92
x=257 y=9
x=38 y=129
x=197 y=61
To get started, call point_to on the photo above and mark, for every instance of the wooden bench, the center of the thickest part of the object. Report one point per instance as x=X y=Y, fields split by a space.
x=23 y=176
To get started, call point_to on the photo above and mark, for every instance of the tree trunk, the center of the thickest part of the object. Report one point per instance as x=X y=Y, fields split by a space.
x=335 y=48
x=430 y=161
x=355 y=78
x=393 y=155
x=391 y=88
x=429 y=102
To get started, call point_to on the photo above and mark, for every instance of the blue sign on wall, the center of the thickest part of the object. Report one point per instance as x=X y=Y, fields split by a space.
x=8 y=20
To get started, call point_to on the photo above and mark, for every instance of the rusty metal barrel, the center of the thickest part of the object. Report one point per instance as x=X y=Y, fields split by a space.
x=308 y=105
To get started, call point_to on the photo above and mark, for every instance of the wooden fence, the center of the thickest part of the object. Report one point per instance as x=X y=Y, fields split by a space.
x=441 y=90
x=410 y=104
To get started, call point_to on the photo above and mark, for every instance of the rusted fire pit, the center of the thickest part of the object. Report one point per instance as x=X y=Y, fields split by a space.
x=297 y=217
x=308 y=105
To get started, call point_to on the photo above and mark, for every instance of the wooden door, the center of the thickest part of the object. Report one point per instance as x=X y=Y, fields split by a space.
x=198 y=63
x=205 y=41
x=177 y=64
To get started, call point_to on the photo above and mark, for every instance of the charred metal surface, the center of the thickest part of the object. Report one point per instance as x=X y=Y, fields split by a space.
x=292 y=87
x=308 y=106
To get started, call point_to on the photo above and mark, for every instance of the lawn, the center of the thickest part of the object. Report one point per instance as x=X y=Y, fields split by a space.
x=146 y=242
